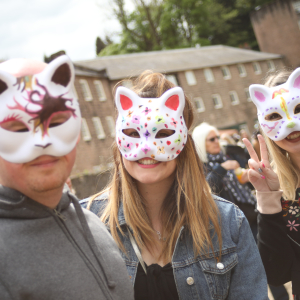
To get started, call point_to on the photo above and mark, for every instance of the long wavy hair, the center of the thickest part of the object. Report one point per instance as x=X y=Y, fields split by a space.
x=189 y=202
x=287 y=171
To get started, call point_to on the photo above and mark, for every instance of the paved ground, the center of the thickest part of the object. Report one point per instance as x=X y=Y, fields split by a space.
x=288 y=287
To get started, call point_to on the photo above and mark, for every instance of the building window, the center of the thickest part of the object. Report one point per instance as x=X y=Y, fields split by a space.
x=98 y=127
x=256 y=68
x=85 y=90
x=209 y=76
x=86 y=136
x=127 y=83
x=172 y=78
x=111 y=125
x=234 y=98
x=270 y=65
x=100 y=90
x=242 y=70
x=248 y=95
x=217 y=101
x=226 y=73
x=199 y=104
x=190 y=78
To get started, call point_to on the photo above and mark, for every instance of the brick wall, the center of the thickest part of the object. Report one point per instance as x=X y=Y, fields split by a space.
x=91 y=154
x=277 y=31
x=229 y=115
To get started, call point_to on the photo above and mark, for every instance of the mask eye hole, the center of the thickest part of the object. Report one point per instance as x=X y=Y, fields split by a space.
x=297 y=109
x=164 y=133
x=131 y=132
x=59 y=118
x=273 y=117
x=14 y=125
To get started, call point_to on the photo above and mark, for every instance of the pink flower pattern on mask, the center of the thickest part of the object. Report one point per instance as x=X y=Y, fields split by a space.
x=146 y=111
x=136 y=119
x=146 y=149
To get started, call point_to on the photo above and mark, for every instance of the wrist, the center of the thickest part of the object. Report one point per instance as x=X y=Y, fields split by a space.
x=268 y=202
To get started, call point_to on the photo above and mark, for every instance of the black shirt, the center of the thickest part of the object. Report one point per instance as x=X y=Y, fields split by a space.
x=158 y=284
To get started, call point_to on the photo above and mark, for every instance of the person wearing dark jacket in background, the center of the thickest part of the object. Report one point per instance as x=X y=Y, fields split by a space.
x=50 y=247
x=224 y=175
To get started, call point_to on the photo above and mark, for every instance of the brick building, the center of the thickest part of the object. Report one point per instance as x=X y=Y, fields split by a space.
x=216 y=78
x=276 y=27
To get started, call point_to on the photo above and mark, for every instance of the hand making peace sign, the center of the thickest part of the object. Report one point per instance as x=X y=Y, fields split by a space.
x=260 y=174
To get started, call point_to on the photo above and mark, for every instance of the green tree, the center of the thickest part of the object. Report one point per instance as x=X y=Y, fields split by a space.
x=171 y=24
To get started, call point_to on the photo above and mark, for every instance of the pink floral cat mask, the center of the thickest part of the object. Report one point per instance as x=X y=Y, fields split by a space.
x=39 y=113
x=278 y=108
x=148 y=116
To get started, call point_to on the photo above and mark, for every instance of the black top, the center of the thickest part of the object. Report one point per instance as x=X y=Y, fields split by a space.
x=279 y=244
x=158 y=284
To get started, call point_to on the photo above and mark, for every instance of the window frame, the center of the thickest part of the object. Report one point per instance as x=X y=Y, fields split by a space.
x=235 y=95
x=202 y=106
x=190 y=78
x=257 y=64
x=271 y=65
x=243 y=69
x=248 y=94
x=208 y=71
x=127 y=83
x=85 y=85
x=98 y=128
x=85 y=131
x=228 y=76
x=172 y=78
x=111 y=125
x=100 y=90
x=220 y=105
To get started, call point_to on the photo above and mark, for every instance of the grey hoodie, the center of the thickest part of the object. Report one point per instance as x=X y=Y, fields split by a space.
x=61 y=254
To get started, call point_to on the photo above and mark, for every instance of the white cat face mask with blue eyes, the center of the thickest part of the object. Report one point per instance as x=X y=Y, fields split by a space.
x=146 y=117
x=278 y=108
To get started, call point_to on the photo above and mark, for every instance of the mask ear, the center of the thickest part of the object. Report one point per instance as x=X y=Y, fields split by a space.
x=174 y=100
x=125 y=99
x=260 y=94
x=58 y=76
x=294 y=80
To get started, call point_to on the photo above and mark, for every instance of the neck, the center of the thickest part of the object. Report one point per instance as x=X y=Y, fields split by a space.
x=154 y=195
x=48 y=198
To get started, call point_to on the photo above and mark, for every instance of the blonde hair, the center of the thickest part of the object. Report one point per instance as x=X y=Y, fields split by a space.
x=189 y=202
x=281 y=163
x=199 y=135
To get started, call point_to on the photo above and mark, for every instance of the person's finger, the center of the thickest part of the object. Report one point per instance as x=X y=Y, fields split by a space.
x=253 y=165
x=258 y=181
x=251 y=150
x=263 y=152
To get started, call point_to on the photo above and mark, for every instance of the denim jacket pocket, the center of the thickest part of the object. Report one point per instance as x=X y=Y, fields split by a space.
x=217 y=274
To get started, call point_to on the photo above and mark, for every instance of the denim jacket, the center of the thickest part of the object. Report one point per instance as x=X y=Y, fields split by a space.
x=239 y=275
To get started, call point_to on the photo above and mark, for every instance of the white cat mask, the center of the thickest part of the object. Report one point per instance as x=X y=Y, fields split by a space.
x=148 y=116
x=44 y=107
x=278 y=108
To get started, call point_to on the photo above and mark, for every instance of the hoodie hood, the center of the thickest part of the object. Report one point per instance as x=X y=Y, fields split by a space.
x=14 y=204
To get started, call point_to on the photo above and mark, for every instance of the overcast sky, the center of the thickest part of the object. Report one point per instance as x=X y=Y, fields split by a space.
x=32 y=28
